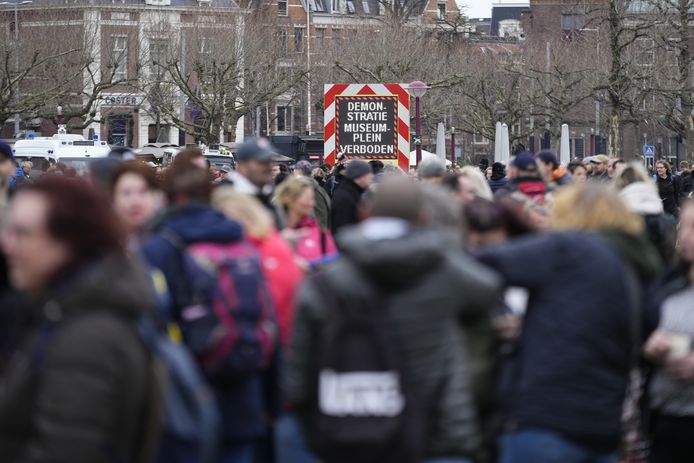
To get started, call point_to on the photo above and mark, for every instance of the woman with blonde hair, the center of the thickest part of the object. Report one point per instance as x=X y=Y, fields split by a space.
x=477 y=182
x=309 y=239
x=283 y=274
x=582 y=278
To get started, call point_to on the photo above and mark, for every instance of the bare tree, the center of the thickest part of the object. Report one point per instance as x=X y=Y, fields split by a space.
x=223 y=67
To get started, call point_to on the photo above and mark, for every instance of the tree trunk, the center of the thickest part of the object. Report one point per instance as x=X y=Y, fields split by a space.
x=615 y=137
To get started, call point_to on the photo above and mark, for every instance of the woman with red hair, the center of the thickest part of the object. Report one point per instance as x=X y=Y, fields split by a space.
x=76 y=389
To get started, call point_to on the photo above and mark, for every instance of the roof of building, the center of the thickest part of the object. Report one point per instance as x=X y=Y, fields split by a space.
x=502 y=12
x=200 y=4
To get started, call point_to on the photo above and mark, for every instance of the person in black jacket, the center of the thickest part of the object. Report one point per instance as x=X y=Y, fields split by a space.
x=348 y=194
x=78 y=386
x=565 y=385
x=668 y=187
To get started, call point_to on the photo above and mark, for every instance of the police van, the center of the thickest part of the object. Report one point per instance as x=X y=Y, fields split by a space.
x=73 y=150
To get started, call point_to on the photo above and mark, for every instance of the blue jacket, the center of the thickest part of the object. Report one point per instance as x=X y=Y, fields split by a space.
x=244 y=405
x=497 y=184
x=570 y=371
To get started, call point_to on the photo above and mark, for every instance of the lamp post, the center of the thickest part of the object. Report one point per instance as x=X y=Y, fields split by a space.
x=16 y=4
x=417 y=89
x=453 y=159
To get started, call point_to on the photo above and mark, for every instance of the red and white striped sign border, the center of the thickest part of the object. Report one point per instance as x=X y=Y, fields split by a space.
x=403 y=115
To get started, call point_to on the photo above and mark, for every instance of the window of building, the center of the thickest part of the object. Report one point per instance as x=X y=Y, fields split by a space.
x=478 y=139
x=350 y=7
x=645 y=51
x=337 y=38
x=118 y=128
x=320 y=38
x=284 y=118
x=282 y=40
x=571 y=26
x=299 y=39
x=160 y=136
x=158 y=51
x=335 y=5
x=366 y=7
x=282 y=7
x=317 y=5
x=120 y=58
x=441 y=10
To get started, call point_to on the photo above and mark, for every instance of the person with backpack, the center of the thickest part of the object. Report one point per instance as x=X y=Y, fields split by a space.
x=223 y=306
x=373 y=376
x=81 y=385
x=321 y=210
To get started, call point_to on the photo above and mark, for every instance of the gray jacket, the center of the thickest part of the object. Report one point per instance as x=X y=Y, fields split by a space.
x=430 y=290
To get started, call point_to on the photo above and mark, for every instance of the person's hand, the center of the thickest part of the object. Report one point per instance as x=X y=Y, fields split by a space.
x=681 y=368
x=507 y=327
x=658 y=347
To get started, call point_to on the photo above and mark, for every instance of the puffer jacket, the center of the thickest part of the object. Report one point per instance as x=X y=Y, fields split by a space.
x=78 y=388
x=430 y=289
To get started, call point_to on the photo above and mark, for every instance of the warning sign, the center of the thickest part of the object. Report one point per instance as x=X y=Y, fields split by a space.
x=367 y=121
x=366 y=126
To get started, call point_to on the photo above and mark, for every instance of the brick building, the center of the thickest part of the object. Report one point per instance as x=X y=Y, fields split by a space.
x=121 y=39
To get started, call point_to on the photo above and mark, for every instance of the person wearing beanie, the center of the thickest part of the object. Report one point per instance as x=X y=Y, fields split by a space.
x=525 y=182
x=357 y=178
x=498 y=179
x=556 y=174
x=431 y=171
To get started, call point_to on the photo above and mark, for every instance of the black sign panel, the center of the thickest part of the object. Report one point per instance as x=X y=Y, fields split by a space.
x=367 y=126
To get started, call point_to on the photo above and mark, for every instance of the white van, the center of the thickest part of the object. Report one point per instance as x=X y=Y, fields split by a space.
x=70 y=149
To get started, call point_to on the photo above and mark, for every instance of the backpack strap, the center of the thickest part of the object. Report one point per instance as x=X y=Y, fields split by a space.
x=323 y=242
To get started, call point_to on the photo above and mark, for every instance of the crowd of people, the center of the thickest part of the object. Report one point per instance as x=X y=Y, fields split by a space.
x=521 y=313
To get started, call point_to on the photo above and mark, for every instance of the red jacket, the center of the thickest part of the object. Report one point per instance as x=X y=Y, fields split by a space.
x=284 y=277
x=310 y=246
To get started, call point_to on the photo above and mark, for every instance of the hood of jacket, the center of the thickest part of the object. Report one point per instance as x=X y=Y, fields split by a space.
x=390 y=252
x=115 y=283
x=199 y=222
x=642 y=198
x=637 y=251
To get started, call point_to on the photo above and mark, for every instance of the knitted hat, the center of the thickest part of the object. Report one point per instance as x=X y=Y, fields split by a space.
x=356 y=169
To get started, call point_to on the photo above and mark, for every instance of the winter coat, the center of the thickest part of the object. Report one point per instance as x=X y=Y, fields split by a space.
x=79 y=388
x=570 y=371
x=671 y=312
x=264 y=195
x=345 y=205
x=332 y=182
x=669 y=191
x=284 y=277
x=533 y=188
x=497 y=183
x=310 y=246
x=416 y=271
x=643 y=199
x=244 y=406
x=686 y=184
x=322 y=209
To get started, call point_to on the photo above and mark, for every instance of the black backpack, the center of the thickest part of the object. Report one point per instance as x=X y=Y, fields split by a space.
x=362 y=408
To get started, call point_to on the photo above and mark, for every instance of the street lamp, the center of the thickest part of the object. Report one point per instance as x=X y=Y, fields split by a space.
x=417 y=89
x=16 y=4
x=453 y=158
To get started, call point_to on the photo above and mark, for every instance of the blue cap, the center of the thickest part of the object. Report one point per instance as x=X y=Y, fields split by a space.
x=525 y=161
x=256 y=149
x=6 y=151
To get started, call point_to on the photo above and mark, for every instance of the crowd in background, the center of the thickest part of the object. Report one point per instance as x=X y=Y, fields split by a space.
x=521 y=313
